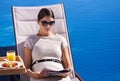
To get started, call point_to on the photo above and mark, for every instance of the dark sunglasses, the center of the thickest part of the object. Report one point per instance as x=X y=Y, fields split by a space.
x=46 y=23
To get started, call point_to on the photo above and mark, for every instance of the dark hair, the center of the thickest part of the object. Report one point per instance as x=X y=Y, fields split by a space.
x=45 y=12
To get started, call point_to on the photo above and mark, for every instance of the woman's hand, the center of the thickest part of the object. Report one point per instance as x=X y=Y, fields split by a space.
x=35 y=75
x=64 y=75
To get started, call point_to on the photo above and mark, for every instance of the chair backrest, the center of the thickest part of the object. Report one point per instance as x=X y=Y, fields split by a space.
x=25 y=24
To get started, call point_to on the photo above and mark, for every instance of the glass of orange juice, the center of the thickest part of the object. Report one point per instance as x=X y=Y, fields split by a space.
x=11 y=56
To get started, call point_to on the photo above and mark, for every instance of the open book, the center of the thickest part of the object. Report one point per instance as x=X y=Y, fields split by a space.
x=51 y=73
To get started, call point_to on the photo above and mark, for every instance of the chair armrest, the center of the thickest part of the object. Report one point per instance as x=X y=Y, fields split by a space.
x=78 y=76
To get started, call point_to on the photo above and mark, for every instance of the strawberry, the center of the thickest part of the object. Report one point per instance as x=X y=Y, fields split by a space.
x=5 y=65
x=14 y=64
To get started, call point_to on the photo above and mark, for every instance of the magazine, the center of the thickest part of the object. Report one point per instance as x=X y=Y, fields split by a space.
x=51 y=73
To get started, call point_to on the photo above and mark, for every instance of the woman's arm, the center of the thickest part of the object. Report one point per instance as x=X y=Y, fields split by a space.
x=66 y=61
x=28 y=61
x=27 y=57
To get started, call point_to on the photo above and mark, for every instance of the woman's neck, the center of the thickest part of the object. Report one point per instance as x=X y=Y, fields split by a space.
x=40 y=33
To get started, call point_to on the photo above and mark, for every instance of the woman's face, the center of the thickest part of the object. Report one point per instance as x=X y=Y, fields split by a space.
x=46 y=24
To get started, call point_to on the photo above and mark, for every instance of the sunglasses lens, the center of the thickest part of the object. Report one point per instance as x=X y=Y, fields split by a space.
x=45 y=23
x=51 y=22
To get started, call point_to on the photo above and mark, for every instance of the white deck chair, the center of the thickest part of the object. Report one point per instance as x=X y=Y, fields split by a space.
x=25 y=24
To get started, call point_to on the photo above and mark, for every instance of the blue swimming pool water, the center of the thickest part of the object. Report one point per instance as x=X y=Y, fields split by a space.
x=94 y=31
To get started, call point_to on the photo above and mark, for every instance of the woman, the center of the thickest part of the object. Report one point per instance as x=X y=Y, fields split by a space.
x=46 y=52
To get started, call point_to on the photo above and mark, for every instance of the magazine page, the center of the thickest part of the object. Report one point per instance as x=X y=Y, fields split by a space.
x=51 y=73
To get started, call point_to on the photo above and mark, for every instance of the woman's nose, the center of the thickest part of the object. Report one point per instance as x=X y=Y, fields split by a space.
x=48 y=26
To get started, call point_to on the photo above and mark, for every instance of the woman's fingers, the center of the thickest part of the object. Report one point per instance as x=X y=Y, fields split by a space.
x=64 y=75
x=35 y=75
x=32 y=74
x=29 y=72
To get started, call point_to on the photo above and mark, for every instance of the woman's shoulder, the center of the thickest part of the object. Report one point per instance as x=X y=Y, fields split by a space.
x=61 y=37
x=63 y=40
x=32 y=37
